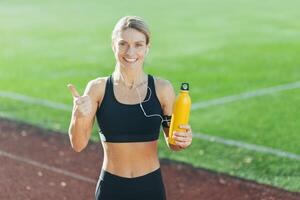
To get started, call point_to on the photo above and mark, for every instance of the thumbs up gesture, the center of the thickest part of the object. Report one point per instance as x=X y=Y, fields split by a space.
x=81 y=103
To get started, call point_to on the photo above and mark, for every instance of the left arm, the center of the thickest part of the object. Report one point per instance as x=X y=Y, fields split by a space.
x=166 y=96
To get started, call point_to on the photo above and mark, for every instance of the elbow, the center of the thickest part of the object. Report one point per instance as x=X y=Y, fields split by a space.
x=77 y=145
x=78 y=148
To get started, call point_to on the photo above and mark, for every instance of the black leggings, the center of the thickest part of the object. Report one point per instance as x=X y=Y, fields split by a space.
x=147 y=187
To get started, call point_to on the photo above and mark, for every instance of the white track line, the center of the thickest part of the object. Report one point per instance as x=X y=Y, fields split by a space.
x=251 y=147
x=195 y=106
x=36 y=101
x=246 y=95
x=47 y=167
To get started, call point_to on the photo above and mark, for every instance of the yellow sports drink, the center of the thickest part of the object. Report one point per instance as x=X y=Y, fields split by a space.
x=181 y=111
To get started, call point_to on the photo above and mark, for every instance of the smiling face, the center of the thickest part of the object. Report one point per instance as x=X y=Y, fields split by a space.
x=130 y=48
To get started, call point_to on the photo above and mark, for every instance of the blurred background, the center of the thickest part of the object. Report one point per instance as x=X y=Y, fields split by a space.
x=240 y=57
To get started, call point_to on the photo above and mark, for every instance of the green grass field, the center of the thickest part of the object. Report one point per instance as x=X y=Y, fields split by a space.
x=221 y=47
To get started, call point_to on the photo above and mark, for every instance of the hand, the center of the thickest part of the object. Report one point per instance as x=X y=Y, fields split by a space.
x=82 y=103
x=183 y=139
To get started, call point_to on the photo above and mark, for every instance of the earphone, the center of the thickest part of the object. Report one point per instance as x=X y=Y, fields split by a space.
x=141 y=106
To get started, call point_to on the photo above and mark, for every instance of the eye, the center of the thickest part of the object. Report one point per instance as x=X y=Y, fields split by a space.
x=122 y=43
x=138 y=45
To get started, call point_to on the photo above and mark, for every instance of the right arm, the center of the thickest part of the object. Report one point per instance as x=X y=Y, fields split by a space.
x=166 y=96
x=83 y=113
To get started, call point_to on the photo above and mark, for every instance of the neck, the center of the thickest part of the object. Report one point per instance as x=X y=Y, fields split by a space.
x=131 y=78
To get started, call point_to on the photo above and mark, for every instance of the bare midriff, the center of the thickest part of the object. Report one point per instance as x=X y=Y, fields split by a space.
x=130 y=159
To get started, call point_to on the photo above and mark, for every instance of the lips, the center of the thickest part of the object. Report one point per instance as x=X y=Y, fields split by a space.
x=130 y=60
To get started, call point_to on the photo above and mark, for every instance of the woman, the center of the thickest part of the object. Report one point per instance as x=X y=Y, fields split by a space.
x=129 y=106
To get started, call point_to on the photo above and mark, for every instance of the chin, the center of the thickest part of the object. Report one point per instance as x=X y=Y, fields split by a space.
x=130 y=65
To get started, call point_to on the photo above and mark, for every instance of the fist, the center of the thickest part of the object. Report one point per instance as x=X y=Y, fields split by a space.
x=81 y=103
x=183 y=139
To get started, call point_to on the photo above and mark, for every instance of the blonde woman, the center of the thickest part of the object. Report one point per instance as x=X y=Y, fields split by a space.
x=130 y=107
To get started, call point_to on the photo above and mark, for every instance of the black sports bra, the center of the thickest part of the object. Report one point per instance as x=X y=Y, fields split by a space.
x=127 y=123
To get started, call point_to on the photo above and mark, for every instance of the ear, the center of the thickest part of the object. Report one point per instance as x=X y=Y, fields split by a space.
x=147 y=50
x=113 y=46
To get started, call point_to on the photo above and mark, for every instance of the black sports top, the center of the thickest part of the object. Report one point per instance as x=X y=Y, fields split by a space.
x=120 y=122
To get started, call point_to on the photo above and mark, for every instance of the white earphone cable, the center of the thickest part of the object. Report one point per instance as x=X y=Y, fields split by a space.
x=140 y=102
x=142 y=108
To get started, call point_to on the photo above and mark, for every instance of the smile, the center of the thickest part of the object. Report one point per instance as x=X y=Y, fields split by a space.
x=130 y=60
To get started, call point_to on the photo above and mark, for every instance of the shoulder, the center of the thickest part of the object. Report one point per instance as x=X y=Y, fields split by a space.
x=97 y=83
x=95 y=88
x=163 y=85
x=164 y=90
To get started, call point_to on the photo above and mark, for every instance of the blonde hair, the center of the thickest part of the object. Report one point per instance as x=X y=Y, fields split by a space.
x=133 y=22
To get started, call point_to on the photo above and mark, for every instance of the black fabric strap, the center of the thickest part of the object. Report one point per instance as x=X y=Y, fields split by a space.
x=167 y=121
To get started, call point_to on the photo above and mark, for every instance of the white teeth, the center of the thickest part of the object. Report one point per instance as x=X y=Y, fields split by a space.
x=130 y=59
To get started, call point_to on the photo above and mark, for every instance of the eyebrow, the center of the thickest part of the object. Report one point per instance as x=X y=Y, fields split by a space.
x=141 y=41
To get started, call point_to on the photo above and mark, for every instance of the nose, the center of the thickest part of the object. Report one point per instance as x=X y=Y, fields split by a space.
x=130 y=51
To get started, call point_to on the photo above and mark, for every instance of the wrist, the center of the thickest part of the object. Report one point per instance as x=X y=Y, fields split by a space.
x=175 y=147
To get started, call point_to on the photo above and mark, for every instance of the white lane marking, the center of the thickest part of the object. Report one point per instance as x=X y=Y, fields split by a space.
x=195 y=106
x=36 y=101
x=47 y=167
x=243 y=145
x=199 y=105
x=245 y=95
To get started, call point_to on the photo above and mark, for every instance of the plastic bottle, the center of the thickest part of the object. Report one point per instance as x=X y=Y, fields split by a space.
x=181 y=112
